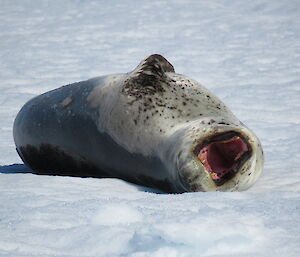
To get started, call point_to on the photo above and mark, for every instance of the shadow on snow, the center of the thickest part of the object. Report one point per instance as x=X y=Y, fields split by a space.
x=15 y=169
x=19 y=168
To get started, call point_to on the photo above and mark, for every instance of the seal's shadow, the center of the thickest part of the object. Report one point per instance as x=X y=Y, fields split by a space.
x=19 y=168
x=15 y=169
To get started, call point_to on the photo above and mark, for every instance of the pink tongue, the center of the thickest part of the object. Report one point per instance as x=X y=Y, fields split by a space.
x=219 y=158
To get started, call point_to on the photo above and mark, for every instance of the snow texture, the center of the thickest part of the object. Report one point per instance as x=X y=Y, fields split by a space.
x=246 y=52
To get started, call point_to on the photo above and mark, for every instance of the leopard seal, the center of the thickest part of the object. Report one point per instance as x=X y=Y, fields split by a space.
x=150 y=126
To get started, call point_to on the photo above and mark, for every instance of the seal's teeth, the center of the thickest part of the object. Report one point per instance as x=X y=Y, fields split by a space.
x=238 y=156
x=214 y=175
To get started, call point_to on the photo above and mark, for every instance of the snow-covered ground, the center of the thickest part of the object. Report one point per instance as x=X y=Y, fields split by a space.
x=246 y=52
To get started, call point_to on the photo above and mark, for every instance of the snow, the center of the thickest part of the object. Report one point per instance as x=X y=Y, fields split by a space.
x=246 y=52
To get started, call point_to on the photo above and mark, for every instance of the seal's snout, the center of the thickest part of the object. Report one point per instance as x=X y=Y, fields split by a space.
x=223 y=155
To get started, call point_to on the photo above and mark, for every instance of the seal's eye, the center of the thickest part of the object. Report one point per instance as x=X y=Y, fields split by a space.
x=223 y=157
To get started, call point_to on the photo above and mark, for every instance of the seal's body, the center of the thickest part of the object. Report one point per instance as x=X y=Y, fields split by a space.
x=151 y=127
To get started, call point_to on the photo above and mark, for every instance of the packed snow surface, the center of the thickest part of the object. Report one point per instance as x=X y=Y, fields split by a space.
x=246 y=52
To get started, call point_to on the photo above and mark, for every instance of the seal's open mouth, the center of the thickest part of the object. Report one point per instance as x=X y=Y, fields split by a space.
x=223 y=155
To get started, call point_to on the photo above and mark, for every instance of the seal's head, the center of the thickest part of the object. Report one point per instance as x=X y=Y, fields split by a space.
x=168 y=115
x=216 y=154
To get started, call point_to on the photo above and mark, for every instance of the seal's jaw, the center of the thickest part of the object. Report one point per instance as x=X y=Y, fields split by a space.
x=223 y=156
